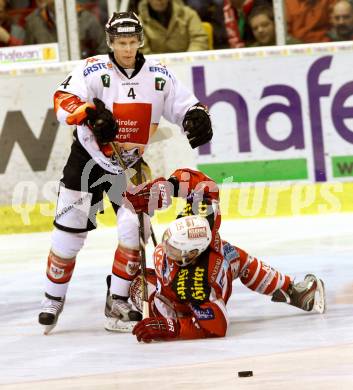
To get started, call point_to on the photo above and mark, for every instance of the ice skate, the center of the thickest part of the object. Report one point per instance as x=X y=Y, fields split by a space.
x=120 y=316
x=308 y=295
x=51 y=309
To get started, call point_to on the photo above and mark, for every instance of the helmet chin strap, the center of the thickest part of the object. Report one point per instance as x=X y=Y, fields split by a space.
x=186 y=261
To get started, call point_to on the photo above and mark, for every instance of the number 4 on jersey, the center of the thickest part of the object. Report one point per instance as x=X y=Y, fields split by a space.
x=66 y=82
x=131 y=93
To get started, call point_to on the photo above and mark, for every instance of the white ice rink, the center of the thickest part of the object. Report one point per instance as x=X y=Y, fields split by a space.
x=285 y=348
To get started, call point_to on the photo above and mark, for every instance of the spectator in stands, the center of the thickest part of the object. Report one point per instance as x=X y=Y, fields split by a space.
x=211 y=11
x=235 y=15
x=98 y=8
x=41 y=28
x=170 y=26
x=11 y=34
x=262 y=23
x=309 y=20
x=342 y=21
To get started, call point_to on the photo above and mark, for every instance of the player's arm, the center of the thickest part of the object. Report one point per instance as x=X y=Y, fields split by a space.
x=208 y=320
x=74 y=106
x=188 y=182
x=71 y=98
x=69 y=108
x=184 y=183
x=182 y=107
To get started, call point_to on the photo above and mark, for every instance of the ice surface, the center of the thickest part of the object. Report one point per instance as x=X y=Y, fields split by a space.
x=284 y=346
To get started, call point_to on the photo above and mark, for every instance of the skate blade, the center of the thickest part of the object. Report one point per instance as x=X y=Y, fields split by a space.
x=48 y=328
x=320 y=298
x=117 y=325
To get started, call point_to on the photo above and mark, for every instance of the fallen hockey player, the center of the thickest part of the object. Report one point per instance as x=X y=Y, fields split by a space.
x=194 y=268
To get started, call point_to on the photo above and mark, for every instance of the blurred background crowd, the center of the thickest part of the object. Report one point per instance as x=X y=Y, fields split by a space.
x=178 y=26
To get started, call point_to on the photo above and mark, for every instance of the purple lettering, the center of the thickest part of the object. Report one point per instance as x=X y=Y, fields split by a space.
x=228 y=96
x=292 y=110
x=339 y=112
x=315 y=92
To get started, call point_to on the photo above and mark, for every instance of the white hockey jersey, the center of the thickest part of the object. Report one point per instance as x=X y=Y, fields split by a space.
x=137 y=103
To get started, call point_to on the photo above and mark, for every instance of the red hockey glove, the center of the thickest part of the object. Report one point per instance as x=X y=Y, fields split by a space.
x=151 y=196
x=158 y=328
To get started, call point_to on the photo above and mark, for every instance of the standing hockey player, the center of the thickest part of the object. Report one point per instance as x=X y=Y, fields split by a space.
x=116 y=102
x=194 y=269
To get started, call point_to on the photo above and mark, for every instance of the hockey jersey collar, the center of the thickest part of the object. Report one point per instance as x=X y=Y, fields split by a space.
x=140 y=60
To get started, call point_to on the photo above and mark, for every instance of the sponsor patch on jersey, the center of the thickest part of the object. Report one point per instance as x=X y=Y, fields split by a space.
x=94 y=68
x=106 y=80
x=159 y=83
x=130 y=83
x=191 y=284
x=216 y=269
x=158 y=69
x=203 y=314
x=230 y=253
x=217 y=242
x=134 y=122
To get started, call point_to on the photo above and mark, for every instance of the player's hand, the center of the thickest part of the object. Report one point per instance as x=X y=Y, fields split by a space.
x=151 y=196
x=102 y=122
x=197 y=125
x=158 y=328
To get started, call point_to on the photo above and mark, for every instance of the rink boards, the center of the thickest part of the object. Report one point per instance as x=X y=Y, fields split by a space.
x=254 y=201
x=282 y=145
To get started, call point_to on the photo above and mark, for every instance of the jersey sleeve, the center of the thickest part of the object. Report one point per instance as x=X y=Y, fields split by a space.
x=190 y=181
x=178 y=100
x=208 y=320
x=71 y=98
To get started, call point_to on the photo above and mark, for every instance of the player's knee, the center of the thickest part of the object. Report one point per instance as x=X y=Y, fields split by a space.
x=67 y=245
x=128 y=228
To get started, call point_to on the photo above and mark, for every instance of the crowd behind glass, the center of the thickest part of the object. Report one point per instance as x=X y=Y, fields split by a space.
x=189 y=25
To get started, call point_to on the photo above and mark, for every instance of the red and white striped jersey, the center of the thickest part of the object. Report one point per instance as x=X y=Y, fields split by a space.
x=197 y=295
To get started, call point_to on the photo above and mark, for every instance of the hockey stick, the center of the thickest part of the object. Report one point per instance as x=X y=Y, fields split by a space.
x=154 y=240
x=142 y=238
x=145 y=307
x=139 y=179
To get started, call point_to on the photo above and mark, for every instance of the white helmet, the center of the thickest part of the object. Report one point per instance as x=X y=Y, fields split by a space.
x=186 y=238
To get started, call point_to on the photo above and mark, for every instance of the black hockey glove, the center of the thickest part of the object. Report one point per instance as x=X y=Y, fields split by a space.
x=197 y=125
x=102 y=122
